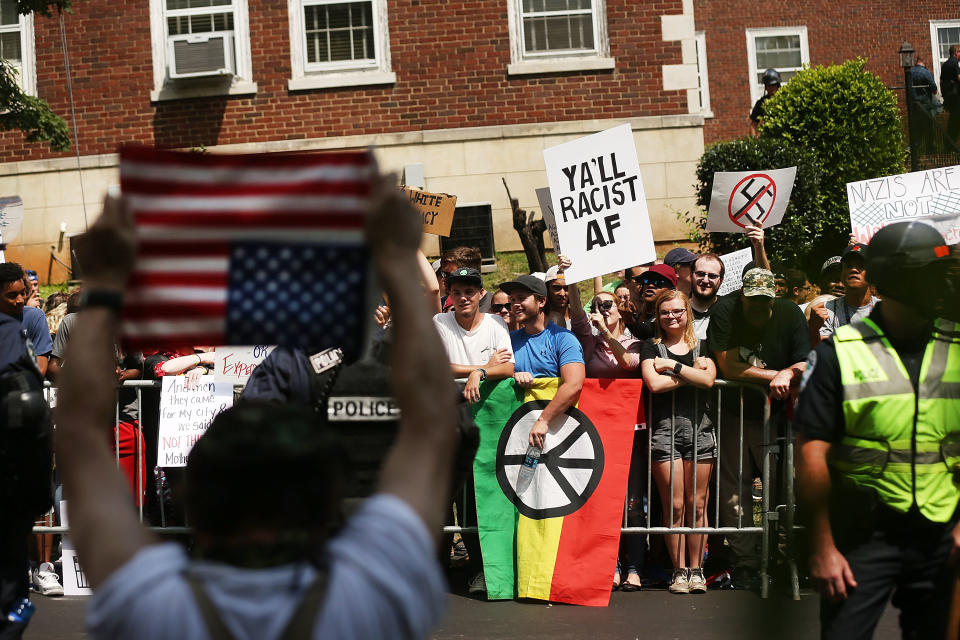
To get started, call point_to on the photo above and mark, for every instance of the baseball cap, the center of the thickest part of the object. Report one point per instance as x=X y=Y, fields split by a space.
x=554 y=273
x=530 y=283
x=759 y=282
x=463 y=274
x=679 y=256
x=859 y=249
x=829 y=262
x=664 y=271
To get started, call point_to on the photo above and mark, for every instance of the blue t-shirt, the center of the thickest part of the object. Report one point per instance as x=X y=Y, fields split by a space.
x=543 y=354
x=35 y=324
x=12 y=345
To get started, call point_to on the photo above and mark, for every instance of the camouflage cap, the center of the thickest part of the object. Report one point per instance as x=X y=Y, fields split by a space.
x=759 y=282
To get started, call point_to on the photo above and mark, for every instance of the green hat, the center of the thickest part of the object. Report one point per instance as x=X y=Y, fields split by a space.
x=759 y=282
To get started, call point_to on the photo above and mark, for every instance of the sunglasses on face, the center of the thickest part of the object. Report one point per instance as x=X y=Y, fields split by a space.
x=712 y=277
x=603 y=305
x=497 y=307
x=659 y=283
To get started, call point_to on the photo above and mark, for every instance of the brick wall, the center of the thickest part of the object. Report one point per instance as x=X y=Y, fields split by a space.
x=836 y=31
x=450 y=59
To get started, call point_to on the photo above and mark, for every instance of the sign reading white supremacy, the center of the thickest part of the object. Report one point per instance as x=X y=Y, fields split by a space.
x=185 y=415
x=739 y=198
x=932 y=196
x=733 y=264
x=599 y=204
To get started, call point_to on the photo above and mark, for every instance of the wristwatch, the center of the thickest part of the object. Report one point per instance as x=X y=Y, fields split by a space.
x=483 y=374
x=677 y=367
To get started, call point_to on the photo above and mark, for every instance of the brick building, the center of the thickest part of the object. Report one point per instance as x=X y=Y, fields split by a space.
x=737 y=40
x=472 y=90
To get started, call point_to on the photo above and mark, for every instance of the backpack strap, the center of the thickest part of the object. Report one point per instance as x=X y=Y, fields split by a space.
x=696 y=351
x=662 y=350
x=305 y=617
x=211 y=617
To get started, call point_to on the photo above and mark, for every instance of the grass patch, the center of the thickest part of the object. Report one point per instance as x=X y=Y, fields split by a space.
x=47 y=289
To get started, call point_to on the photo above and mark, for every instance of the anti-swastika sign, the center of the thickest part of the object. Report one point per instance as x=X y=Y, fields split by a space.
x=746 y=198
x=570 y=467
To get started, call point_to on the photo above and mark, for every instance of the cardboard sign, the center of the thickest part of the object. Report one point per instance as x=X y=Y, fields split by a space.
x=733 y=264
x=185 y=415
x=437 y=210
x=235 y=364
x=741 y=198
x=74 y=579
x=546 y=210
x=932 y=196
x=599 y=203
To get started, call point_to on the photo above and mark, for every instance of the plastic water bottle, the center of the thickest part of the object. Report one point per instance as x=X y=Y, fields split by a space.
x=528 y=468
x=22 y=611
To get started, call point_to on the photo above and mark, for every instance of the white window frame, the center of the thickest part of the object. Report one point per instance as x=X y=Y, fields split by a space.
x=522 y=63
x=756 y=89
x=703 y=77
x=935 y=60
x=166 y=89
x=338 y=74
x=27 y=71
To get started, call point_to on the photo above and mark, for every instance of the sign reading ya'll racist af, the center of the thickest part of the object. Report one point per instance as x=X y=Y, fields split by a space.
x=599 y=204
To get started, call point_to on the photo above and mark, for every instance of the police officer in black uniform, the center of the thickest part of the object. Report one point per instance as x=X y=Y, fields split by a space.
x=25 y=453
x=771 y=82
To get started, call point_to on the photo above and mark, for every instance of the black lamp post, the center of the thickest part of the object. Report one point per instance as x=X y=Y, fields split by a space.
x=906 y=61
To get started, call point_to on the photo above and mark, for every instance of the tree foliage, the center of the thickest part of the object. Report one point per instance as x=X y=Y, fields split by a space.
x=26 y=113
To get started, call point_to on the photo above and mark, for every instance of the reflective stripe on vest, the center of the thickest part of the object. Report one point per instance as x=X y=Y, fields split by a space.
x=881 y=411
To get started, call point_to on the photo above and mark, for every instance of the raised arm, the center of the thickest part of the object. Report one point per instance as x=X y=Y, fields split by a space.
x=431 y=288
x=418 y=468
x=756 y=236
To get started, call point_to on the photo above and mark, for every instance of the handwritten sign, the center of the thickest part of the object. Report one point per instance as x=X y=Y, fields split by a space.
x=733 y=264
x=437 y=210
x=546 y=210
x=741 y=198
x=932 y=196
x=185 y=415
x=235 y=364
x=599 y=203
x=74 y=579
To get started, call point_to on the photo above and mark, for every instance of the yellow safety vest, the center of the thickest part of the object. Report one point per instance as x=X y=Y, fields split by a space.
x=903 y=444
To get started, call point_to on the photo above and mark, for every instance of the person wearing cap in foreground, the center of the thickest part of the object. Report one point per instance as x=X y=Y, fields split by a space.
x=857 y=300
x=760 y=339
x=878 y=427
x=271 y=556
x=681 y=261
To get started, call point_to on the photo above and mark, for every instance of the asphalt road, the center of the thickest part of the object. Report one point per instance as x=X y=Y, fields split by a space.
x=630 y=616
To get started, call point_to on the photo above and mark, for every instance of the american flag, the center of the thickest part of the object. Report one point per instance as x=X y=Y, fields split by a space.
x=247 y=249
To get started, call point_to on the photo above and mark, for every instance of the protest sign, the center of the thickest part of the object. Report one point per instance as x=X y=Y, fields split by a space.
x=235 y=364
x=599 y=204
x=74 y=579
x=11 y=219
x=733 y=264
x=931 y=196
x=739 y=198
x=437 y=210
x=185 y=415
x=546 y=210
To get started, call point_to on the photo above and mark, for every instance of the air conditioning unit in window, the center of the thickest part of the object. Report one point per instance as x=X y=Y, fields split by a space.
x=200 y=55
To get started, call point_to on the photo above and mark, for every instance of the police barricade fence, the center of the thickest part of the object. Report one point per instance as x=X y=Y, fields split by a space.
x=777 y=442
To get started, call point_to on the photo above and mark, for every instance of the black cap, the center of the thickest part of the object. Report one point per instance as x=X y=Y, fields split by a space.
x=464 y=274
x=679 y=256
x=858 y=249
x=531 y=283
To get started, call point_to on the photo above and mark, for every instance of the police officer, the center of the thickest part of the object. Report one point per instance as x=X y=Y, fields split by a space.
x=25 y=458
x=771 y=82
x=879 y=442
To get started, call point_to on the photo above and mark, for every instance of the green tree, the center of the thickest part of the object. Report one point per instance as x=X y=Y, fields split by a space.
x=26 y=113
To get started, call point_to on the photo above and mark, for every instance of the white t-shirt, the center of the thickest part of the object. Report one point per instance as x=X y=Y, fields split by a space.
x=840 y=313
x=473 y=348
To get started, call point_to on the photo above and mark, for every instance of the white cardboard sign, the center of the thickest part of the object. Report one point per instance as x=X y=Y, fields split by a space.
x=932 y=196
x=74 y=579
x=185 y=415
x=739 y=198
x=234 y=364
x=733 y=264
x=599 y=204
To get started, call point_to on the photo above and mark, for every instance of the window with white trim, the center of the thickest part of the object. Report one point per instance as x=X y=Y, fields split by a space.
x=200 y=48
x=782 y=48
x=339 y=43
x=16 y=45
x=700 y=39
x=943 y=34
x=558 y=35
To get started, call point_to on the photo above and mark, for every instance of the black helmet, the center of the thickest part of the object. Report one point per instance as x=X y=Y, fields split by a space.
x=771 y=76
x=907 y=261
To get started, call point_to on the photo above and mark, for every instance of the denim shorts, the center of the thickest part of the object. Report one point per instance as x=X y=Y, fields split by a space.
x=680 y=446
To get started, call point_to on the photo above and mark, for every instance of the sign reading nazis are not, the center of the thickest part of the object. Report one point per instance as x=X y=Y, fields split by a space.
x=746 y=198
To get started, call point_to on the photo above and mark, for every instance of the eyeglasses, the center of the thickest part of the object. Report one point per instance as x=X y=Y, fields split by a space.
x=604 y=305
x=712 y=277
x=672 y=313
x=499 y=306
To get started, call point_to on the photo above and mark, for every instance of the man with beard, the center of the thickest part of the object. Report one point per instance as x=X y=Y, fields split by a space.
x=558 y=300
x=652 y=282
x=708 y=272
x=760 y=339
x=857 y=301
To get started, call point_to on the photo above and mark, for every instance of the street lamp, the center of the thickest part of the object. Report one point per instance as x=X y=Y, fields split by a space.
x=906 y=54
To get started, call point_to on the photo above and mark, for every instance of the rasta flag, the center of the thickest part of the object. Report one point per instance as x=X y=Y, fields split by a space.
x=557 y=540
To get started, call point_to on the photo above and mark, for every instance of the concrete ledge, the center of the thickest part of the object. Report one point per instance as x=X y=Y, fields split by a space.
x=178 y=92
x=560 y=65
x=333 y=80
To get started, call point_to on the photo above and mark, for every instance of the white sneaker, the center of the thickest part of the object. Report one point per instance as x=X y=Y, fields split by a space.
x=679 y=583
x=46 y=582
x=477 y=585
